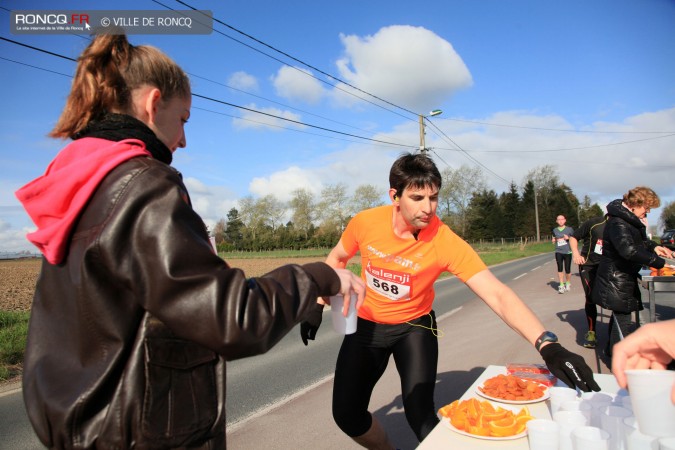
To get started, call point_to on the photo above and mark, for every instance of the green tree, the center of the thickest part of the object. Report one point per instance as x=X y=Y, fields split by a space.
x=667 y=218
x=485 y=216
x=234 y=230
x=511 y=207
x=588 y=210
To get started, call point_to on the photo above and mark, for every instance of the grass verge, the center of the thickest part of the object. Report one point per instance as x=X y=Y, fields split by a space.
x=13 y=329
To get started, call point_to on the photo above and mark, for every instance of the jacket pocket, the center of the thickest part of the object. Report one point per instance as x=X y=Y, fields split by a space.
x=180 y=403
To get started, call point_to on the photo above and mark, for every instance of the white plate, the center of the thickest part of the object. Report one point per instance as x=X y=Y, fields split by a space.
x=447 y=423
x=515 y=402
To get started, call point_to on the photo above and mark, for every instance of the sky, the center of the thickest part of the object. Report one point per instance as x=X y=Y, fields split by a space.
x=586 y=86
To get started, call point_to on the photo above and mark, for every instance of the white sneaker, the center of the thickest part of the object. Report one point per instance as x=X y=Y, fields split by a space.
x=561 y=289
x=568 y=286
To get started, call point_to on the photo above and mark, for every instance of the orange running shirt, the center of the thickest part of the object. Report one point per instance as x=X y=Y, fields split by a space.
x=400 y=273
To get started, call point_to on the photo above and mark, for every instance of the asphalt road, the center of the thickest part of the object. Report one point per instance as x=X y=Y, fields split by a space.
x=281 y=400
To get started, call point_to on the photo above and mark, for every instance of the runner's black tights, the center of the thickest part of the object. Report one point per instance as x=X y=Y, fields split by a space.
x=362 y=360
x=566 y=259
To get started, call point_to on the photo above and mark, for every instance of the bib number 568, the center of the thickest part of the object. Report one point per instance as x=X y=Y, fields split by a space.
x=386 y=287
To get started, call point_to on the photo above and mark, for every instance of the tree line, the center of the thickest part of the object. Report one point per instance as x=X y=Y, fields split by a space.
x=473 y=211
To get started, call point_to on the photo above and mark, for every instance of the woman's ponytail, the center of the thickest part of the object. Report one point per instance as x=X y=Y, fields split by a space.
x=108 y=70
x=98 y=86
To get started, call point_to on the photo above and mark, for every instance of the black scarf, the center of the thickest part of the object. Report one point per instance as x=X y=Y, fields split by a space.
x=117 y=127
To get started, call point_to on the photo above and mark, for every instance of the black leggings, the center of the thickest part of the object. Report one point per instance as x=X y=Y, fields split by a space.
x=564 y=257
x=362 y=360
x=587 y=275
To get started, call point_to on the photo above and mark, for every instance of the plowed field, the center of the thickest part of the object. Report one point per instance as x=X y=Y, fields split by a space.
x=18 y=277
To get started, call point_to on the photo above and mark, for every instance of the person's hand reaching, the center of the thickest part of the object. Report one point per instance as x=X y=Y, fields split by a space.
x=312 y=322
x=349 y=282
x=569 y=367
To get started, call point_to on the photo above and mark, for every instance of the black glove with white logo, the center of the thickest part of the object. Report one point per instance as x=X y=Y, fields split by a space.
x=569 y=367
x=312 y=322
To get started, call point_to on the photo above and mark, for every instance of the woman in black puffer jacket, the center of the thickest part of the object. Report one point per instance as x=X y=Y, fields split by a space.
x=625 y=249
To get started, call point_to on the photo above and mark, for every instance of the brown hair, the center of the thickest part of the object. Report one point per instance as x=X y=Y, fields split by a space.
x=108 y=71
x=414 y=171
x=642 y=196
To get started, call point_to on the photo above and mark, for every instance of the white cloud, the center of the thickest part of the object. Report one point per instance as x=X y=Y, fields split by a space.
x=212 y=203
x=244 y=81
x=271 y=122
x=282 y=184
x=409 y=66
x=13 y=240
x=294 y=83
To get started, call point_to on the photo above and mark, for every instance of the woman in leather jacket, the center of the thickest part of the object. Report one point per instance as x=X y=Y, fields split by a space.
x=625 y=249
x=134 y=314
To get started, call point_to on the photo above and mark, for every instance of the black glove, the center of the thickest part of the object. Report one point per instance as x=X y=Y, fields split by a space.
x=312 y=322
x=569 y=367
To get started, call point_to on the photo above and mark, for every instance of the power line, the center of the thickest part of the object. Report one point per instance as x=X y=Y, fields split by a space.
x=227 y=103
x=466 y=153
x=332 y=77
x=273 y=101
x=295 y=130
x=566 y=149
x=564 y=130
x=300 y=123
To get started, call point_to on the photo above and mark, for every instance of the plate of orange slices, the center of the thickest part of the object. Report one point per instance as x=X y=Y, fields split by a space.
x=513 y=390
x=484 y=419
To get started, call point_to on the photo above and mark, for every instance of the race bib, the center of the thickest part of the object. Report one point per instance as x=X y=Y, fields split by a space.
x=562 y=242
x=389 y=283
x=598 y=247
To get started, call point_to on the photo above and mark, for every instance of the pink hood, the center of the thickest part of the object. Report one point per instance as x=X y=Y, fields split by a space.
x=55 y=200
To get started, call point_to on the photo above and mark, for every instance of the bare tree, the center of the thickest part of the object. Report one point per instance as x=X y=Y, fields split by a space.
x=365 y=196
x=334 y=206
x=303 y=210
x=545 y=179
x=456 y=192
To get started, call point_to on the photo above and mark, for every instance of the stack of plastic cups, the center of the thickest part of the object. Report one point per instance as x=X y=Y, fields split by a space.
x=597 y=400
x=611 y=420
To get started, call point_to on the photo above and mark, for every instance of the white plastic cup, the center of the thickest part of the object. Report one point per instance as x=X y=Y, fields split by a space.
x=586 y=438
x=583 y=407
x=650 y=396
x=611 y=420
x=342 y=324
x=568 y=421
x=558 y=395
x=635 y=439
x=625 y=402
x=543 y=434
x=597 y=400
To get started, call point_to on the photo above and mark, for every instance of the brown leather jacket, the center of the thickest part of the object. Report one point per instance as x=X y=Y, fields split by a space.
x=128 y=336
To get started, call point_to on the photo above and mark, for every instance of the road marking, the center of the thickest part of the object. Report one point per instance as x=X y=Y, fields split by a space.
x=231 y=427
x=277 y=404
x=520 y=276
x=448 y=314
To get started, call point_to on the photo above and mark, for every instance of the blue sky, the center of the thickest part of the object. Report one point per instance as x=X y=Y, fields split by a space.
x=585 y=86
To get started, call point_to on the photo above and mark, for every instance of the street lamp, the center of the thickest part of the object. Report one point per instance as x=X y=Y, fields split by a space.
x=435 y=112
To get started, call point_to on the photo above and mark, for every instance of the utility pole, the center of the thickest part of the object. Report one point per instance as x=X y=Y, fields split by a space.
x=435 y=112
x=536 y=212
